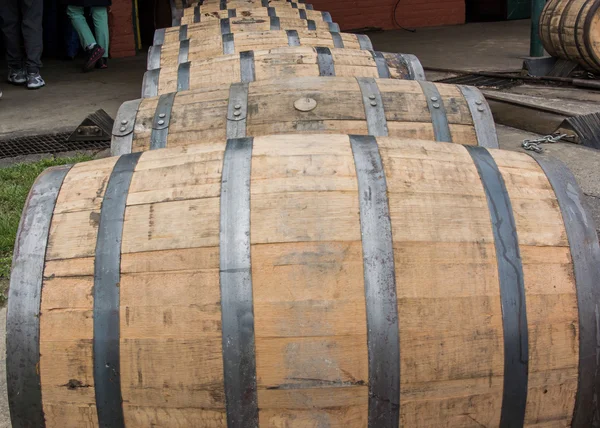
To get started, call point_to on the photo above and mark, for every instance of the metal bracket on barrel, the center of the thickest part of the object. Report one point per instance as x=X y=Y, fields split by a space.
x=161 y=121
x=237 y=110
x=122 y=134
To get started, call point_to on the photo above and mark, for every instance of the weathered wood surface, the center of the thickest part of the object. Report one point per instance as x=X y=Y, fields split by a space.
x=255 y=23
x=169 y=51
x=277 y=63
x=308 y=105
x=308 y=288
x=200 y=15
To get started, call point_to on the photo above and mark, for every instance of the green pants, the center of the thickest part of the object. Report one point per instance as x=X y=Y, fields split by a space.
x=100 y=18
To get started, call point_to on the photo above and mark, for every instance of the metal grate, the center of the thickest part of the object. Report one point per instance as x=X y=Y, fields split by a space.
x=49 y=143
x=482 y=81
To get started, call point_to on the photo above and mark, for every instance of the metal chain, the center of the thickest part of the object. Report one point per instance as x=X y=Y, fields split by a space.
x=535 y=145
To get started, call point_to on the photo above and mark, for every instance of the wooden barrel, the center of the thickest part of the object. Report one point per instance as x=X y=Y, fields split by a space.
x=196 y=15
x=570 y=29
x=286 y=281
x=233 y=9
x=225 y=4
x=237 y=25
x=277 y=63
x=236 y=4
x=172 y=45
x=184 y=4
x=308 y=105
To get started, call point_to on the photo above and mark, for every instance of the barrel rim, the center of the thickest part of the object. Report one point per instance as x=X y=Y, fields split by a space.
x=588 y=34
x=24 y=388
x=578 y=43
x=511 y=281
x=379 y=277
x=585 y=255
x=561 y=24
x=106 y=294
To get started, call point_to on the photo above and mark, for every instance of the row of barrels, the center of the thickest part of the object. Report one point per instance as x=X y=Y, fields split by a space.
x=299 y=231
x=570 y=29
x=288 y=74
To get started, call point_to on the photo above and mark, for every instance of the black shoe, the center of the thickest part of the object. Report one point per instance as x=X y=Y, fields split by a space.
x=102 y=63
x=93 y=55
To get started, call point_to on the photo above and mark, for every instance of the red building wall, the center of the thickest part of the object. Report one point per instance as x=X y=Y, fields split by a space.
x=120 y=22
x=352 y=14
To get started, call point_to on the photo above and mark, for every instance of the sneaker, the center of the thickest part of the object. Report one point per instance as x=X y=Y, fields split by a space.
x=102 y=63
x=35 y=81
x=17 y=77
x=93 y=55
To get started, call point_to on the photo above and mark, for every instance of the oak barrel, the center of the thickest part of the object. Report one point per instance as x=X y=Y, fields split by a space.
x=197 y=15
x=570 y=29
x=226 y=4
x=184 y=4
x=300 y=61
x=286 y=281
x=174 y=45
x=308 y=105
x=238 y=25
x=251 y=5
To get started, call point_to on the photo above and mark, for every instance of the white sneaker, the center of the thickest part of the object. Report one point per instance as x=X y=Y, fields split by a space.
x=17 y=77
x=35 y=81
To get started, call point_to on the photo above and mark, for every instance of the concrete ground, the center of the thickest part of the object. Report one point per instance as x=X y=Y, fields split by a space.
x=490 y=46
x=69 y=96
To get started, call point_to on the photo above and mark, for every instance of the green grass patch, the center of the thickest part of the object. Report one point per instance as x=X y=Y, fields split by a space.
x=15 y=182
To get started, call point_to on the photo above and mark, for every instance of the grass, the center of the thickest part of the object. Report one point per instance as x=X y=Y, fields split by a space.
x=15 y=182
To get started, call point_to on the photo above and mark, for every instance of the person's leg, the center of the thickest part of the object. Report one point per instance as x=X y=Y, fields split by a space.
x=33 y=12
x=93 y=51
x=86 y=38
x=10 y=18
x=100 y=18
